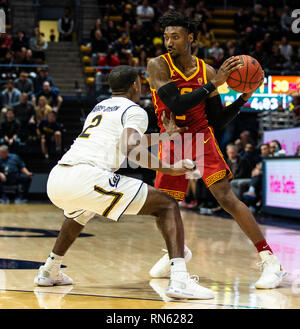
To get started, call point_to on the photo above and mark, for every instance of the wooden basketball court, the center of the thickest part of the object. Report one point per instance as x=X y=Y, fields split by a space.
x=109 y=263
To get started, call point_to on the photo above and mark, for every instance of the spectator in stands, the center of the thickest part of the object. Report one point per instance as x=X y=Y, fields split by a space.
x=276 y=60
x=239 y=146
x=111 y=33
x=275 y=149
x=240 y=168
x=99 y=47
x=268 y=43
x=113 y=7
x=38 y=45
x=264 y=150
x=286 y=21
x=42 y=109
x=142 y=59
x=286 y=51
x=52 y=95
x=28 y=60
x=257 y=21
x=124 y=48
x=163 y=5
x=8 y=72
x=145 y=14
x=15 y=173
x=258 y=53
x=20 y=41
x=10 y=130
x=216 y=53
x=203 y=43
x=271 y=22
x=250 y=155
x=128 y=18
x=298 y=151
x=24 y=84
x=254 y=192
x=65 y=25
x=201 y=14
x=241 y=20
x=139 y=38
x=50 y=133
x=246 y=138
x=43 y=75
x=25 y=114
x=9 y=97
x=231 y=50
x=20 y=55
x=109 y=60
x=97 y=26
x=5 y=43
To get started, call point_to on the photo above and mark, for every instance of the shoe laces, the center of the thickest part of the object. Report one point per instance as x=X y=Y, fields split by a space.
x=194 y=278
x=261 y=265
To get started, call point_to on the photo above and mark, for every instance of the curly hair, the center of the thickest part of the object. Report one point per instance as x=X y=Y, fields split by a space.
x=177 y=19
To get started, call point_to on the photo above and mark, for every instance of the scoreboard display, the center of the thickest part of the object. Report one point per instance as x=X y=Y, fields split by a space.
x=275 y=90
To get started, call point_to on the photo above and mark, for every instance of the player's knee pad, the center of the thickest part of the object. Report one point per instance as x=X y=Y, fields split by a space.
x=81 y=217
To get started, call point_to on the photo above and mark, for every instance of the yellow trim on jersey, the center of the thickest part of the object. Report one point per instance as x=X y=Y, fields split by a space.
x=210 y=180
x=204 y=71
x=183 y=76
x=170 y=68
x=217 y=146
x=154 y=100
x=178 y=195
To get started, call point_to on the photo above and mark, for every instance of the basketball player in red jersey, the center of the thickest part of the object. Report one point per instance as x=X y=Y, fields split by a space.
x=187 y=86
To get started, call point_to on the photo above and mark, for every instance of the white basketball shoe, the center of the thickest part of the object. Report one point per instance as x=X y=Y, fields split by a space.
x=47 y=278
x=161 y=269
x=187 y=287
x=272 y=271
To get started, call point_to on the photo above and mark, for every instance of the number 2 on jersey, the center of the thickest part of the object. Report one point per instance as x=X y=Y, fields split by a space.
x=97 y=121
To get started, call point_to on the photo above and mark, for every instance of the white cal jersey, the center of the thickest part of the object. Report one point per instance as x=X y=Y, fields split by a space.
x=99 y=142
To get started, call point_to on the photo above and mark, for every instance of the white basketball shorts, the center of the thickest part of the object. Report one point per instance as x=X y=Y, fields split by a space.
x=83 y=190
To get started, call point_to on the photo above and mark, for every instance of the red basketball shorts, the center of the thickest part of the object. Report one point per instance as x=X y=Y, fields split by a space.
x=214 y=167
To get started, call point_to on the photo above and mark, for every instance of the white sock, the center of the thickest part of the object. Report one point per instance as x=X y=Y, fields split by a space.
x=53 y=261
x=178 y=268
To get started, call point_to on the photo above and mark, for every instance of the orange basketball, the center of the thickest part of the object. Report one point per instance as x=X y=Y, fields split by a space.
x=247 y=77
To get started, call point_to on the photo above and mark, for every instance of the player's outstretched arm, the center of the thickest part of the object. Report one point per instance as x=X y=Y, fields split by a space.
x=217 y=115
x=133 y=148
x=159 y=77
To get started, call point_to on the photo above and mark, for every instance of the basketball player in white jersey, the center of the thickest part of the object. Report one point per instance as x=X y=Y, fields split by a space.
x=83 y=184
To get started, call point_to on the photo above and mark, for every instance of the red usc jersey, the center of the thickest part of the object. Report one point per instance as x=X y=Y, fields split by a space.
x=194 y=118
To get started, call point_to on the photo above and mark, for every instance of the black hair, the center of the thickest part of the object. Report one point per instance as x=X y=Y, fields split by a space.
x=277 y=142
x=122 y=77
x=177 y=19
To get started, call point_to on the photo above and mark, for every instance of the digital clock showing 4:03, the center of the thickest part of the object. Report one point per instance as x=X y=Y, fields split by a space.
x=274 y=91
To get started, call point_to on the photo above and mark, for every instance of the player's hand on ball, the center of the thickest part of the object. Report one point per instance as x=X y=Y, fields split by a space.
x=224 y=71
x=170 y=125
x=246 y=96
x=182 y=167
